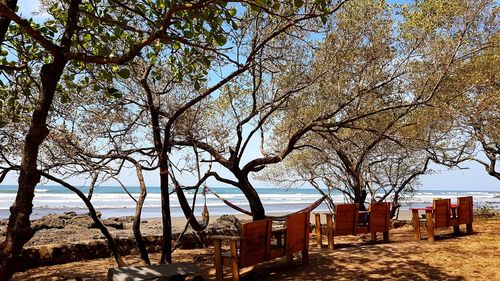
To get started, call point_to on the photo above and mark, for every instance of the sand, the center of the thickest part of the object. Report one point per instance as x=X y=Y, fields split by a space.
x=466 y=257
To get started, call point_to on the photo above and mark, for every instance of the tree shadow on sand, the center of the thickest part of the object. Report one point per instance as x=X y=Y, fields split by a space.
x=352 y=262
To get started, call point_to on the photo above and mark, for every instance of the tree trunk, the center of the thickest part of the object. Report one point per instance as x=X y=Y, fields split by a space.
x=360 y=198
x=93 y=214
x=5 y=22
x=141 y=245
x=19 y=227
x=166 y=245
x=256 y=207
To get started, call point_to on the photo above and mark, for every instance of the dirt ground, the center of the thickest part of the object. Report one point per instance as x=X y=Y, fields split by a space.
x=466 y=257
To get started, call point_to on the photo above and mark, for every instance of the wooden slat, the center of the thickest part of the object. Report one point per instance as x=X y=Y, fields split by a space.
x=319 y=242
x=255 y=240
x=441 y=213
x=297 y=234
x=329 y=228
x=464 y=210
x=379 y=217
x=219 y=268
x=416 y=224
x=346 y=219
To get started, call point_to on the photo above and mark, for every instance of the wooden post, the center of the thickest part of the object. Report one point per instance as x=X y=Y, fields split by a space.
x=374 y=237
x=329 y=228
x=234 y=261
x=305 y=257
x=319 y=241
x=456 y=228
x=469 y=228
x=289 y=258
x=416 y=224
x=386 y=236
x=219 y=268
x=430 y=225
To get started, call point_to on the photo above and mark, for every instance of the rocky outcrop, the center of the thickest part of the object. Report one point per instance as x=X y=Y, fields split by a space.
x=225 y=225
x=47 y=252
x=74 y=220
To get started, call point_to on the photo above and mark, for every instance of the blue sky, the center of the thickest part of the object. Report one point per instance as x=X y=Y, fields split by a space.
x=473 y=177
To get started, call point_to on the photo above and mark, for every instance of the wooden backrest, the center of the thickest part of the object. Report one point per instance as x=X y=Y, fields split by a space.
x=464 y=210
x=379 y=216
x=297 y=232
x=255 y=240
x=346 y=219
x=441 y=212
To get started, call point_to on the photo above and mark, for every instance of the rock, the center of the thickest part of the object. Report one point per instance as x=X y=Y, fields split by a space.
x=191 y=240
x=398 y=223
x=111 y=222
x=225 y=225
x=49 y=221
x=171 y=272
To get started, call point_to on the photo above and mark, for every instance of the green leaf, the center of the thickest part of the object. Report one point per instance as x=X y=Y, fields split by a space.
x=124 y=73
x=112 y=91
x=324 y=19
x=232 y=12
x=298 y=3
x=261 y=3
x=64 y=99
x=176 y=46
x=220 y=40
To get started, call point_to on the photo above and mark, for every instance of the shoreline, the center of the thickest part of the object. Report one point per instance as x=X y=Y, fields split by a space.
x=154 y=213
x=60 y=228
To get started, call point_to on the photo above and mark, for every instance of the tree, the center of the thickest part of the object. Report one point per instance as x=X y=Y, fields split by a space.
x=381 y=81
x=79 y=34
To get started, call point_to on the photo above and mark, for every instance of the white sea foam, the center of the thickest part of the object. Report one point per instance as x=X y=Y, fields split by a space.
x=46 y=199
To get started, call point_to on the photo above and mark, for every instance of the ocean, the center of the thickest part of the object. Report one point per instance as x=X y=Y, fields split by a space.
x=112 y=201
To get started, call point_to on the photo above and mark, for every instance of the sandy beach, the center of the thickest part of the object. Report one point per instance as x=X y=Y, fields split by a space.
x=466 y=257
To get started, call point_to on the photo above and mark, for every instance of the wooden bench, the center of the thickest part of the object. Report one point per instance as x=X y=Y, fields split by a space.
x=347 y=222
x=255 y=245
x=443 y=214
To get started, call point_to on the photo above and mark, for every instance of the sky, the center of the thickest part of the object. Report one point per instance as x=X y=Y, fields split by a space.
x=472 y=177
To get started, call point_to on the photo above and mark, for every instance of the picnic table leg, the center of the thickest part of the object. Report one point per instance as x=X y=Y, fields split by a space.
x=219 y=274
x=289 y=258
x=386 y=236
x=456 y=228
x=319 y=241
x=234 y=261
x=305 y=257
x=416 y=225
x=329 y=227
x=430 y=225
x=469 y=228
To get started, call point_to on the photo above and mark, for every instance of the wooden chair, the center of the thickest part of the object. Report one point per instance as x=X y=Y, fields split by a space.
x=465 y=212
x=296 y=238
x=253 y=248
x=345 y=223
x=441 y=213
x=379 y=220
x=441 y=217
